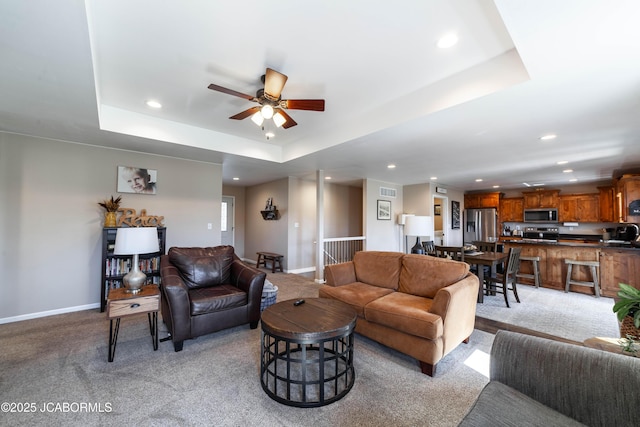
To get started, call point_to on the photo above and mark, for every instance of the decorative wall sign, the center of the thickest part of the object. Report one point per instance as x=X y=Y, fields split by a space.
x=132 y=219
x=137 y=180
x=455 y=215
x=634 y=208
x=384 y=209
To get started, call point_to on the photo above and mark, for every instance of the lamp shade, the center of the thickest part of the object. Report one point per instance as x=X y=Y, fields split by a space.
x=418 y=226
x=136 y=240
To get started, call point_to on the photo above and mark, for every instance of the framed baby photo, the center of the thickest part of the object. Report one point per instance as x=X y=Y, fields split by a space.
x=137 y=180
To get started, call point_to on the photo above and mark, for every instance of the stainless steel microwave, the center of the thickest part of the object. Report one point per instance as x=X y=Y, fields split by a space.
x=541 y=215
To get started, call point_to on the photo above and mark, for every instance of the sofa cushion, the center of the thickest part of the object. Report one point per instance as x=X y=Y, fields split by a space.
x=356 y=294
x=203 y=266
x=424 y=275
x=407 y=313
x=500 y=405
x=378 y=268
x=215 y=298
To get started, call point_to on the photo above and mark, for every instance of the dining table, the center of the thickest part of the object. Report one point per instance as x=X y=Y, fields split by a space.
x=491 y=259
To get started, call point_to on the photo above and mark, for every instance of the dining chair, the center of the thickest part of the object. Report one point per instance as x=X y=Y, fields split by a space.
x=500 y=283
x=452 y=252
x=429 y=248
x=486 y=246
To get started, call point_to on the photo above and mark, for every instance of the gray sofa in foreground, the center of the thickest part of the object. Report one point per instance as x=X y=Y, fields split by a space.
x=539 y=382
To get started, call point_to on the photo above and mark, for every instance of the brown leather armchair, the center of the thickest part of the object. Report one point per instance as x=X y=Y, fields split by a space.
x=206 y=290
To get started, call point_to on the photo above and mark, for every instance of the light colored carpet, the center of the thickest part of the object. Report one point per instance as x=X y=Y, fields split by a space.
x=215 y=379
x=571 y=315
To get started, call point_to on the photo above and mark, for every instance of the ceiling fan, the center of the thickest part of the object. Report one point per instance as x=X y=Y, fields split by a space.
x=271 y=103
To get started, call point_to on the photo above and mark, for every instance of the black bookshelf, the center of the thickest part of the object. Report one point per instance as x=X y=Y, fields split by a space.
x=114 y=267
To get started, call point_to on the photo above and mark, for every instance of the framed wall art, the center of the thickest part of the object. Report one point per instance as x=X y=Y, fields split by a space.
x=384 y=209
x=137 y=180
x=455 y=215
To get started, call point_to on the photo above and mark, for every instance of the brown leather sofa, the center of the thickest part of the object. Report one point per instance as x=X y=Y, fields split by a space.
x=206 y=290
x=420 y=305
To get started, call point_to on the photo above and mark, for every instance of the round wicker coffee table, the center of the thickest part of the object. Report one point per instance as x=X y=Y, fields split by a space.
x=307 y=352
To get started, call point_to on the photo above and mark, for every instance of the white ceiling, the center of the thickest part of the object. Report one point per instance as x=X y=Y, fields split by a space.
x=82 y=72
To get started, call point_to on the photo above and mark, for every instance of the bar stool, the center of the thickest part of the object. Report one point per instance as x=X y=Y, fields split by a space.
x=536 y=270
x=593 y=266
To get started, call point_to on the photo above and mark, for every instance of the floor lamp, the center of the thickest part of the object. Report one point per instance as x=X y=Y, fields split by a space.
x=418 y=226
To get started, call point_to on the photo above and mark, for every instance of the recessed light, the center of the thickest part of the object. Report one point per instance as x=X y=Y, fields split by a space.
x=567 y=170
x=447 y=41
x=573 y=179
x=235 y=178
x=562 y=162
x=548 y=137
x=391 y=166
x=540 y=184
x=496 y=186
x=154 y=104
x=327 y=178
x=479 y=180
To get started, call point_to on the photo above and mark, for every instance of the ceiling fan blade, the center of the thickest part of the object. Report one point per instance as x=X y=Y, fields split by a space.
x=304 y=104
x=273 y=83
x=230 y=92
x=290 y=122
x=246 y=113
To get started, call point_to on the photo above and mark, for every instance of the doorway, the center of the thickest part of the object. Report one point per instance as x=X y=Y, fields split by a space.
x=227 y=222
x=440 y=216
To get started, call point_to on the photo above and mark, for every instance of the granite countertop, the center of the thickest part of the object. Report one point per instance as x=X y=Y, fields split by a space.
x=571 y=243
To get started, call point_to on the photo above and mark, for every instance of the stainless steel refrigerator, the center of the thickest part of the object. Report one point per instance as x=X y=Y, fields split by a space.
x=480 y=224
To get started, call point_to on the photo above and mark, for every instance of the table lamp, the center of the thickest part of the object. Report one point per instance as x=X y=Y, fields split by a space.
x=418 y=226
x=135 y=241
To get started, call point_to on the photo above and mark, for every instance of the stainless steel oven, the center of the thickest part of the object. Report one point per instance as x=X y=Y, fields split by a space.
x=540 y=234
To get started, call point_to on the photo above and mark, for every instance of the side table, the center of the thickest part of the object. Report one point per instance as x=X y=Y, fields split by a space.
x=307 y=351
x=122 y=303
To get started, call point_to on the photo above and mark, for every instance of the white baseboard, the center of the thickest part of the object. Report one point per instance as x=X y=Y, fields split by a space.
x=48 y=313
x=296 y=271
x=302 y=270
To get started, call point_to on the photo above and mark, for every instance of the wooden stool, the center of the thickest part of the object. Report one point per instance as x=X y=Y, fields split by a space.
x=276 y=260
x=593 y=266
x=536 y=270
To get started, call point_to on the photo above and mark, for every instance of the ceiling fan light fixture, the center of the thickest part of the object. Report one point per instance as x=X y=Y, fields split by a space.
x=267 y=111
x=257 y=118
x=279 y=119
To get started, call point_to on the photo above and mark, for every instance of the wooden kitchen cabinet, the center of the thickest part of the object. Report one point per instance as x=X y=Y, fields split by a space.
x=606 y=200
x=627 y=191
x=618 y=266
x=511 y=209
x=579 y=208
x=540 y=199
x=482 y=200
x=556 y=268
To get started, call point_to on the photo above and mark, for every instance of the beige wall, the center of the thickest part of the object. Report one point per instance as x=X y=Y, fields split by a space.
x=301 y=225
x=266 y=235
x=239 y=195
x=342 y=210
x=51 y=225
x=382 y=235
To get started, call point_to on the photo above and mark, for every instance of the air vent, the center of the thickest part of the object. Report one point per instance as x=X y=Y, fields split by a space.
x=388 y=192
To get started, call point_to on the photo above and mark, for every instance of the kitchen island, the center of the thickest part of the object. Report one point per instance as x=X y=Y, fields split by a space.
x=618 y=263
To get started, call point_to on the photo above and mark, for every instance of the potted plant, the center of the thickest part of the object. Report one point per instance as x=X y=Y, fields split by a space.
x=627 y=308
x=111 y=207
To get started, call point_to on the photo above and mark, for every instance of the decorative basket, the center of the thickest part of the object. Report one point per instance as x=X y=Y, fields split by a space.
x=268 y=298
x=628 y=328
